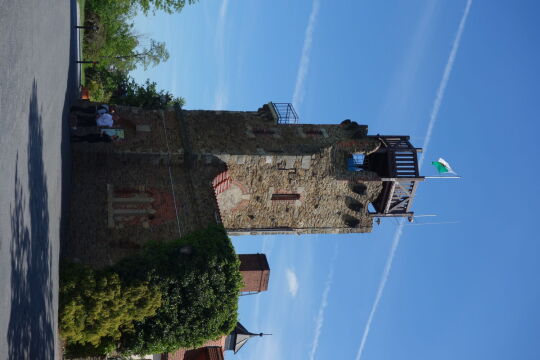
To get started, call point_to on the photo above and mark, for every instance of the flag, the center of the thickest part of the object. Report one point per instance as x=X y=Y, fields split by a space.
x=442 y=166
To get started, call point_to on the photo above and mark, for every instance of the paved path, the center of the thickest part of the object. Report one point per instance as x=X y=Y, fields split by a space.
x=37 y=80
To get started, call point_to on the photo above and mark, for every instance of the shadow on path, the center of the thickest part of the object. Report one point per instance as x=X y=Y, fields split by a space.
x=32 y=321
x=65 y=149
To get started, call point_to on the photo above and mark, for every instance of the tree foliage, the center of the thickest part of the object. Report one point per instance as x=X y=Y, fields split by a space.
x=117 y=49
x=96 y=307
x=173 y=294
x=145 y=96
x=168 y=6
x=118 y=88
x=199 y=291
x=113 y=41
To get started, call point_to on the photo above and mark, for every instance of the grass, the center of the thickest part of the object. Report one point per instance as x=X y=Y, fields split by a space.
x=81 y=4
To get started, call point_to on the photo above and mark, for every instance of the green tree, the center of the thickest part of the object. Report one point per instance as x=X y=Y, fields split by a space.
x=95 y=308
x=168 y=6
x=145 y=96
x=152 y=55
x=200 y=280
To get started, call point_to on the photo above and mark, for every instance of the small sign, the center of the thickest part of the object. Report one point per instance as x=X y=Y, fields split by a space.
x=113 y=132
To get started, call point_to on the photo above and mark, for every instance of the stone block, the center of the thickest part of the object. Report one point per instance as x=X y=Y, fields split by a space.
x=143 y=128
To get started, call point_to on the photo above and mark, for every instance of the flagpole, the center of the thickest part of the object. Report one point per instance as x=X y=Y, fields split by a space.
x=434 y=223
x=442 y=177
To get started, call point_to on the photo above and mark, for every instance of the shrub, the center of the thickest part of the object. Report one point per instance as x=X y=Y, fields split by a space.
x=173 y=294
x=200 y=291
x=98 y=93
x=145 y=96
x=95 y=308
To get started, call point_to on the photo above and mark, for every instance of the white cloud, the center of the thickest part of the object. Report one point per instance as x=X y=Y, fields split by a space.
x=319 y=322
x=298 y=95
x=292 y=282
x=399 y=230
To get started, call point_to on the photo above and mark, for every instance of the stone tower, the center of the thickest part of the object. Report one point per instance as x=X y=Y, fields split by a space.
x=255 y=172
x=274 y=176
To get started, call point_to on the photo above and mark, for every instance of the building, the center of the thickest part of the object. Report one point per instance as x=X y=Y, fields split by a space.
x=255 y=172
x=214 y=350
x=255 y=273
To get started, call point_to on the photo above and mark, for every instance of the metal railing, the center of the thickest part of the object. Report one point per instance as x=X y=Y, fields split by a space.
x=285 y=113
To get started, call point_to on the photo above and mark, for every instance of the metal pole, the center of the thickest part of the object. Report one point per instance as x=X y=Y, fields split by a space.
x=442 y=177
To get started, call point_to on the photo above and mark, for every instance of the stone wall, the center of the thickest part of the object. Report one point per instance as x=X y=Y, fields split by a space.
x=137 y=189
x=263 y=158
x=322 y=204
x=248 y=133
x=117 y=206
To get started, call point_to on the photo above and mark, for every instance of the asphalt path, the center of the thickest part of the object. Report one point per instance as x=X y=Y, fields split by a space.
x=37 y=83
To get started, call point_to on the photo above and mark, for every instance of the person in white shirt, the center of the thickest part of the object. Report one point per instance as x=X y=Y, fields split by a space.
x=104 y=120
x=100 y=118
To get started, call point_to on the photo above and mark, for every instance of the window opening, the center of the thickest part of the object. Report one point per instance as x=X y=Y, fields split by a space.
x=313 y=132
x=263 y=132
x=355 y=162
x=287 y=197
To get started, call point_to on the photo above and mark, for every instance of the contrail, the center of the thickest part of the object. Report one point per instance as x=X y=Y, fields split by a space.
x=298 y=94
x=444 y=82
x=221 y=94
x=320 y=316
x=432 y=120
x=380 y=290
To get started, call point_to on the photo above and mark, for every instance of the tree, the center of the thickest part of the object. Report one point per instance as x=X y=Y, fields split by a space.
x=145 y=96
x=168 y=6
x=154 y=54
x=199 y=291
x=96 y=307
x=149 y=56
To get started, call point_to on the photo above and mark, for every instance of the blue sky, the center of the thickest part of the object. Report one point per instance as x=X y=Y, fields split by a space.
x=464 y=289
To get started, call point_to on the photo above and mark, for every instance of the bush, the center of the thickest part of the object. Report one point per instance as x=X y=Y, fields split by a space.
x=98 y=93
x=96 y=308
x=145 y=96
x=200 y=292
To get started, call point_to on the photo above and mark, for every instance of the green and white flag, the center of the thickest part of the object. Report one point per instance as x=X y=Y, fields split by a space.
x=442 y=166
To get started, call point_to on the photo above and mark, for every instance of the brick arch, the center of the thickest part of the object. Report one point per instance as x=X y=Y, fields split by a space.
x=231 y=195
x=222 y=182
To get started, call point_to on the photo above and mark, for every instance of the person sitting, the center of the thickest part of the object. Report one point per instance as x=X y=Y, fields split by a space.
x=101 y=116
x=104 y=120
x=91 y=110
x=100 y=120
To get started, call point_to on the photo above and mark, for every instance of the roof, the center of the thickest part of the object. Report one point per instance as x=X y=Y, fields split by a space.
x=238 y=338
